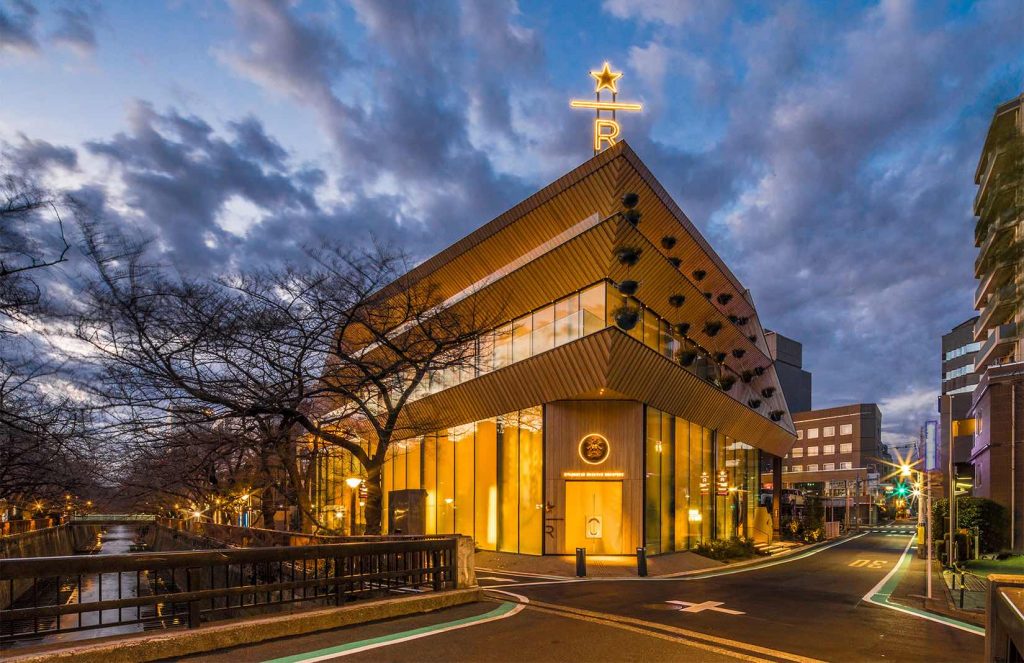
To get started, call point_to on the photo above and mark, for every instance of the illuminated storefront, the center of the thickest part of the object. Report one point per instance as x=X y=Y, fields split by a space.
x=622 y=402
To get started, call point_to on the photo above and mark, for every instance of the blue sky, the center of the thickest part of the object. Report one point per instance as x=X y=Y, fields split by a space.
x=825 y=149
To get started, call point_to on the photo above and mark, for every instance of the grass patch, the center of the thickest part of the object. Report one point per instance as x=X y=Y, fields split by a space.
x=1013 y=565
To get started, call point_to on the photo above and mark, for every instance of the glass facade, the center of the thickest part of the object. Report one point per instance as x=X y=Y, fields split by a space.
x=698 y=485
x=483 y=479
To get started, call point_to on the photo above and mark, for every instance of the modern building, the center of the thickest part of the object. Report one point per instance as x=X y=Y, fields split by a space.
x=998 y=400
x=789 y=364
x=622 y=400
x=959 y=381
x=838 y=453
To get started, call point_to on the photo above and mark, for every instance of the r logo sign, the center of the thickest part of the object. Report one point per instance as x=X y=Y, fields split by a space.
x=594 y=449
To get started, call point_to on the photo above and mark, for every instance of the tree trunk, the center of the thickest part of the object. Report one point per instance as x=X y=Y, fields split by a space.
x=374 y=499
x=268 y=508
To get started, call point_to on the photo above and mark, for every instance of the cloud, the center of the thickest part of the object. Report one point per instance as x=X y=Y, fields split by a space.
x=75 y=28
x=35 y=157
x=180 y=174
x=670 y=12
x=17 y=27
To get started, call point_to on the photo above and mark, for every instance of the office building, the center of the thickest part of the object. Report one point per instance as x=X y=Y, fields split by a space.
x=795 y=381
x=959 y=380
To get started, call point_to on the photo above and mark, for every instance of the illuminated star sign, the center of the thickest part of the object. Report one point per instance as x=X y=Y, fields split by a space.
x=605 y=130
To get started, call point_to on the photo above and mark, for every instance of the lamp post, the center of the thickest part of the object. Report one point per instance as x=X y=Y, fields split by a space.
x=353 y=483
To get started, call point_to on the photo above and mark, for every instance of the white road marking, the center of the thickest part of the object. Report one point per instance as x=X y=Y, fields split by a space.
x=495 y=579
x=706 y=605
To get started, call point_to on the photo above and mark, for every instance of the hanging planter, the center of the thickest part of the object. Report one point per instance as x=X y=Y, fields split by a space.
x=768 y=392
x=630 y=200
x=699 y=274
x=687 y=357
x=632 y=216
x=627 y=287
x=724 y=298
x=719 y=357
x=726 y=383
x=754 y=403
x=747 y=376
x=707 y=295
x=676 y=262
x=734 y=320
x=759 y=371
x=712 y=328
x=752 y=338
x=668 y=242
x=676 y=300
x=627 y=255
x=626 y=317
x=776 y=415
x=682 y=328
x=738 y=353
x=742 y=321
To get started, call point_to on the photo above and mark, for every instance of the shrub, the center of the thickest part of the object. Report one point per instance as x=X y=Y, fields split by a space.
x=990 y=519
x=737 y=547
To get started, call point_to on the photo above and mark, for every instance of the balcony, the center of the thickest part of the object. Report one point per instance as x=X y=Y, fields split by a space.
x=996 y=278
x=998 y=346
x=996 y=311
x=995 y=240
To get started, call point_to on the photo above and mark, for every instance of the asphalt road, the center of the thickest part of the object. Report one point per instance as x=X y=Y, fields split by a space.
x=807 y=607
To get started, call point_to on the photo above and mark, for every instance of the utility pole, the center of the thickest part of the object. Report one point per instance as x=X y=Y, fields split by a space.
x=928 y=537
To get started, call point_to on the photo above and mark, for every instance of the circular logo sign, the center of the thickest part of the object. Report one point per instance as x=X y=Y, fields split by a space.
x=594 y=449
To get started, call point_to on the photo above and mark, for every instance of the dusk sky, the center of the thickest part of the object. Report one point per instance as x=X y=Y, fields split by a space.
x=826 y=150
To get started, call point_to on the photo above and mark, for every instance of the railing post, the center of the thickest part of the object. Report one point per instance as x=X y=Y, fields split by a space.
x=581 y=562
x=193 y=606
x=435 y=563
x=641 y=562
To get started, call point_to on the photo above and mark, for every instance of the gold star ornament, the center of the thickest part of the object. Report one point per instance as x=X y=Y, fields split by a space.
x=606 y=79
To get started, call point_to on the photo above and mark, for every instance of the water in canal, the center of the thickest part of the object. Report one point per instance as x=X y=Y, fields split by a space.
x=89 y=588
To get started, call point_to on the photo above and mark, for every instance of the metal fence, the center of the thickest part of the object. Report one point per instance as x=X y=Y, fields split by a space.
x=79 y=593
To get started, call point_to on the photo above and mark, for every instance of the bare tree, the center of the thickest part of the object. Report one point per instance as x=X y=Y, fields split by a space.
x=301 y=358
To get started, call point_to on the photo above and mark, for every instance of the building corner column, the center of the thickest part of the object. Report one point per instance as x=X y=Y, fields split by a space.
x=776 y=498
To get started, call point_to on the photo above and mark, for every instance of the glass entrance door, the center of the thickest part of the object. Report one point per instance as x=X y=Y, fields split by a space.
x=593 y=517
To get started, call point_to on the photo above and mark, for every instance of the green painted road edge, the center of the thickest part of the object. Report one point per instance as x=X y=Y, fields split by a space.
x=881 y=593
x=500 y=611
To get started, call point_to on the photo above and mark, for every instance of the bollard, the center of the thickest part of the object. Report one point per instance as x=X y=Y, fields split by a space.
x=581 y=562
x=641 y=562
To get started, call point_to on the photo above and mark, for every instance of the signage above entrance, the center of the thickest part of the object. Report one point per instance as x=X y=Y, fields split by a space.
x=594 y=449
x=593 y=475
x=605 y=130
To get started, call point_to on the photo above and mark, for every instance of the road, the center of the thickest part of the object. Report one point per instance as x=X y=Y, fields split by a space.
x=806 y=607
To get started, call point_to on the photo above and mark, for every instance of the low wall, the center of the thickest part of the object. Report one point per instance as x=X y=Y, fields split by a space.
x=50 y=542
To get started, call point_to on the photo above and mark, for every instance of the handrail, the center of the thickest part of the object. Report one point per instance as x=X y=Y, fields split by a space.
x=187 y=587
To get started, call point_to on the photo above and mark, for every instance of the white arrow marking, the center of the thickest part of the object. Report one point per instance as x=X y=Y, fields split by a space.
x=494 y=579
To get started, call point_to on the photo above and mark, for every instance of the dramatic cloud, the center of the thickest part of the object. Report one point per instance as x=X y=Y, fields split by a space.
x=826 y=151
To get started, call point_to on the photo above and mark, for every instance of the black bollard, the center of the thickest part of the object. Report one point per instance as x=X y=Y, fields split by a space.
x=581 y=562
x=641 y=562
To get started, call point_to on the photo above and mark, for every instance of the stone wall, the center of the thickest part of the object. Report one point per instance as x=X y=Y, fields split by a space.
x=50 y=542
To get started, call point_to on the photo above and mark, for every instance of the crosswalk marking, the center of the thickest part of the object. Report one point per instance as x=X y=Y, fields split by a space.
x=706 y=605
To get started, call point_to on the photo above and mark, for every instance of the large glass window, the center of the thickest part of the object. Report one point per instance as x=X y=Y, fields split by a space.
x=543 y=330
x=508 y=484
x=521 y=332
x=592 y=302
x=462 y=441
x=531 y=481
x=567 y=320
x=486 y=517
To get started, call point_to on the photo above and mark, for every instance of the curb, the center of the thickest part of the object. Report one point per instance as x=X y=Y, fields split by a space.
x=173 y=644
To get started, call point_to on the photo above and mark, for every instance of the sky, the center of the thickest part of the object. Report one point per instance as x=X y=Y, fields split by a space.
x=826 y=150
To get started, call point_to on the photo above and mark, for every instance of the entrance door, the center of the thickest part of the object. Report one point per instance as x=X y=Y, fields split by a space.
x=593 y=517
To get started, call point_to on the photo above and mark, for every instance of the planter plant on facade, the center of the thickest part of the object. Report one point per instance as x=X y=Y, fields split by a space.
x=699 y=274
x=687 y=357
x=676 y=300
x=630 y=200
x=712 y=328
x=632 y=216
x=626 y=317
x=724 y=298
x=682 y=328
x=667 y=242
x=738 y=353
x=627 y=255
x=768 y=392
x=627 y=287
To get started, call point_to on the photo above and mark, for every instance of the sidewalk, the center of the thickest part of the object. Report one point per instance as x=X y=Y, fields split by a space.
x=619 y=566
x=912 y=592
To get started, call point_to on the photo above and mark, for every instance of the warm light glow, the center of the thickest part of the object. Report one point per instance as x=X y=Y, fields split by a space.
x=197 y=514
x=593 y=475
x=353 y=482
x=606 y=130
x=694 y=516
x=606 y=79
x=905 y=470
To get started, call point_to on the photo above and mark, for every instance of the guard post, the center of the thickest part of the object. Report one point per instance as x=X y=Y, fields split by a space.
x=581 y=562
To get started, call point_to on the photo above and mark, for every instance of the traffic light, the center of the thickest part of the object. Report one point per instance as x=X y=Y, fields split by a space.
x=901 y=489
